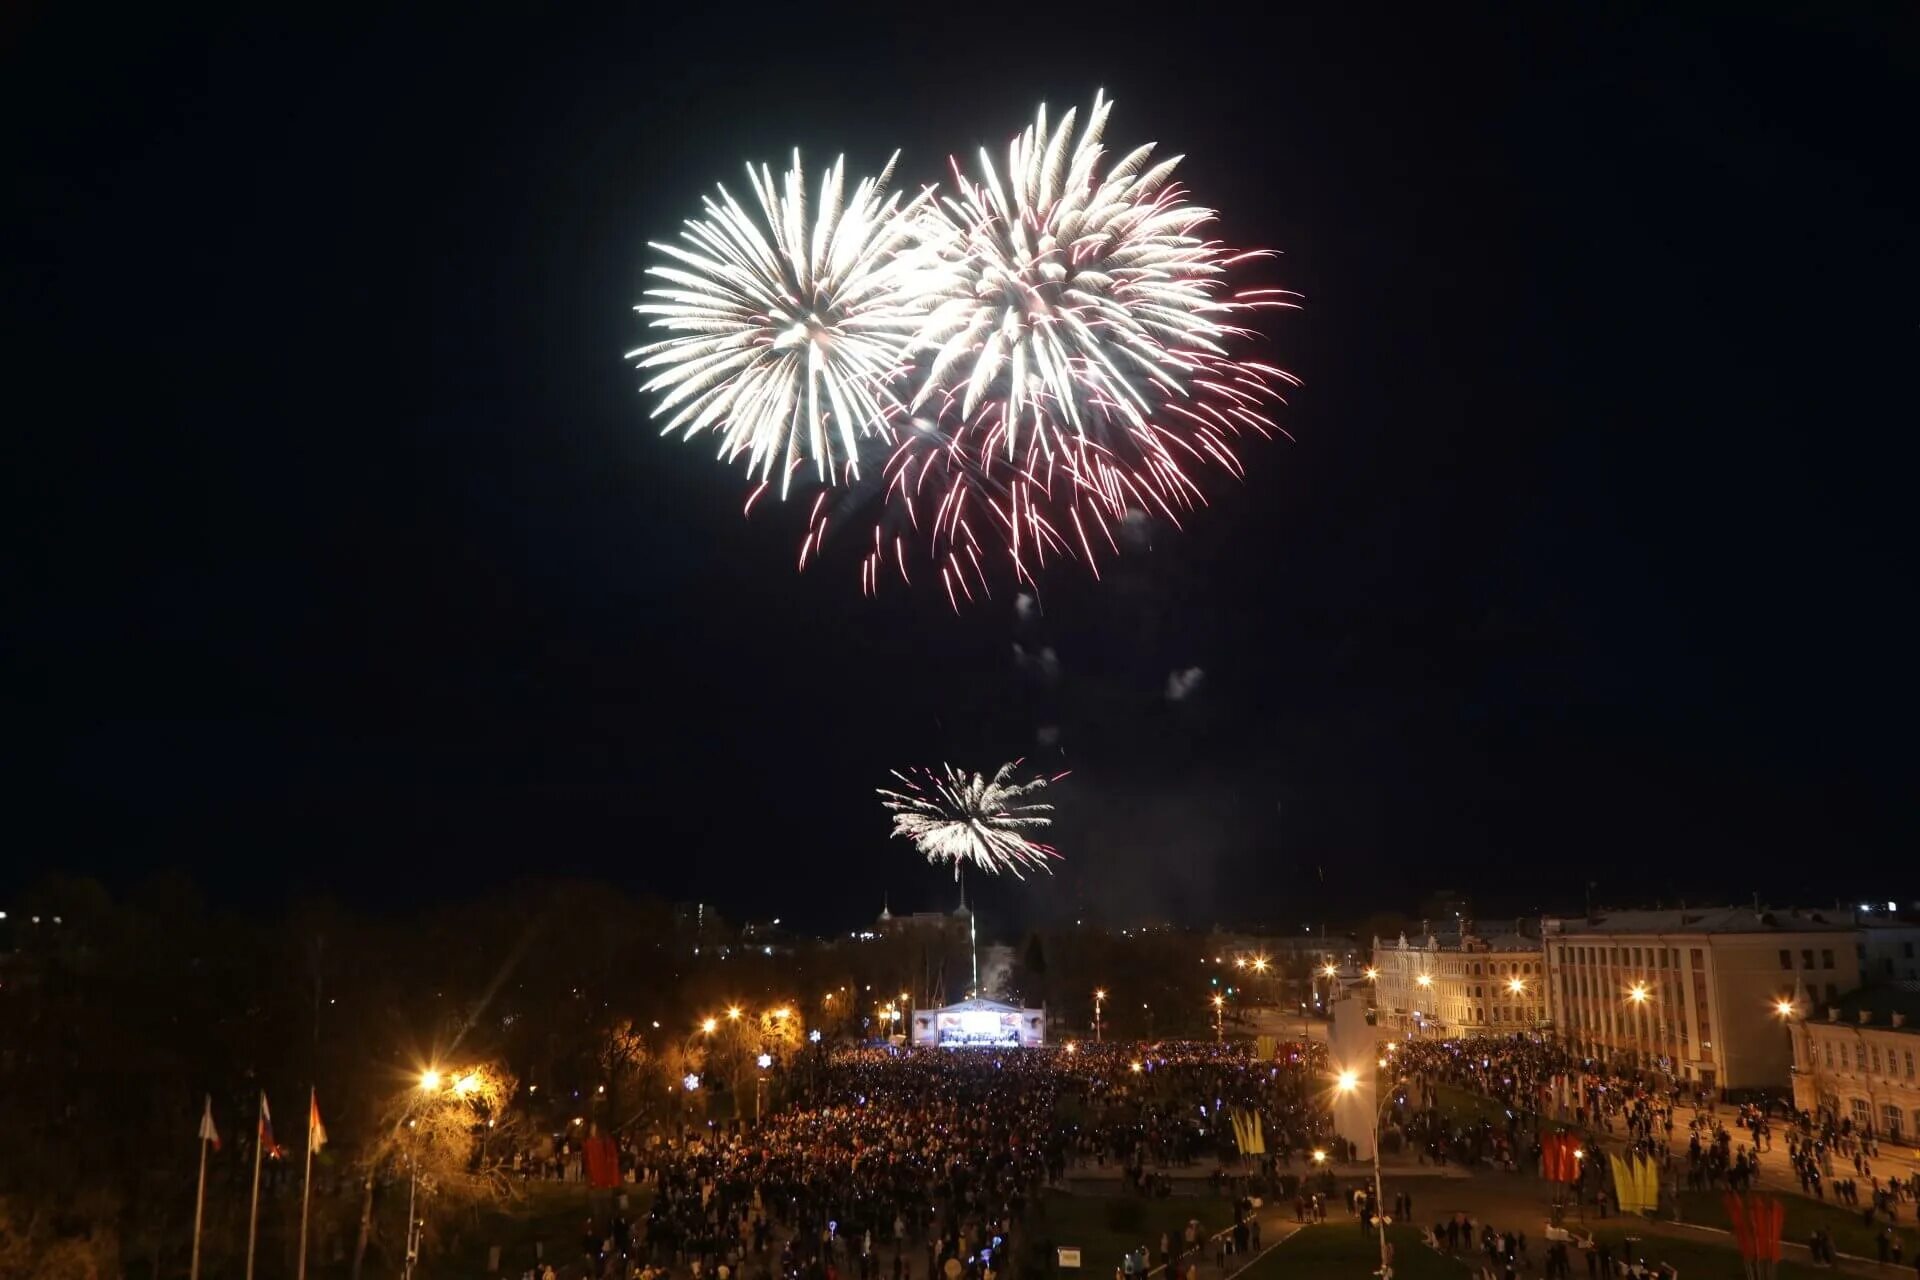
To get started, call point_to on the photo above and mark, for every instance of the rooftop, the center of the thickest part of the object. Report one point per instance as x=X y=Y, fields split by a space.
x=1704 y=920
x=1879 y=1003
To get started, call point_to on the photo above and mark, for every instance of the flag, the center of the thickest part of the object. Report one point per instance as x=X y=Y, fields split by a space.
x=267 y=1144
x=207 y=1132
x=316 y=1132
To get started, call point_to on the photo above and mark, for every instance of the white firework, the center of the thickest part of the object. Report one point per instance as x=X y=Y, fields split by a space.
x=959 y=817
x=788 y=328
x=1082 y=294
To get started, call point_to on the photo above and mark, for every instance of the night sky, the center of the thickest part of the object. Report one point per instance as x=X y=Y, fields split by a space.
x=346 y=560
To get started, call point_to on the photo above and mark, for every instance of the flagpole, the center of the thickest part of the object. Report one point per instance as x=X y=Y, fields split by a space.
x=253 y=1218
x=199 y=1204
x=306 y=1185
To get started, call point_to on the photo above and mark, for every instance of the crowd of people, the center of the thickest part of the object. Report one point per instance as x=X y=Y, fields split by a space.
x=924 y=1164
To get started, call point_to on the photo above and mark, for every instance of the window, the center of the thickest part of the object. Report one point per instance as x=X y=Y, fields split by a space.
x=1862 y=1114
x=1906 y=951
x=1806 y=958
x=1829 y=1055
x=1909 y=1064
x=1826 y=959
x=1786 y=958
x=1859 y=1056
x=1876 y=1059
x=1890 y=1119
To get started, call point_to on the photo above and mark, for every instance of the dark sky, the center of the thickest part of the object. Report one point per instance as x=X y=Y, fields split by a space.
x=347 y=560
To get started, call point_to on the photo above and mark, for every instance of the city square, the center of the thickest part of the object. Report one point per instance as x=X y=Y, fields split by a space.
x=857 y=643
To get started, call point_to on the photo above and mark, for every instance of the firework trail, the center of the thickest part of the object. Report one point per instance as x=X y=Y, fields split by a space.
x=968 y=818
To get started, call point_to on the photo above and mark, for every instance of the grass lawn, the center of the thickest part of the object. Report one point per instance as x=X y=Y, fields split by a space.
x=553 y=1212
x=1465 y=1105
x=1804 y=1216
x=1103 y=1228
x=1697 y=1259
x=1336 y=1250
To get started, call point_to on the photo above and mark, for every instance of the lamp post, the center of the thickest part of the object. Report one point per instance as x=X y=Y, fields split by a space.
x=1349 y=1082
x=1099 y=998
x=1219 y=1013
x=429 y=1084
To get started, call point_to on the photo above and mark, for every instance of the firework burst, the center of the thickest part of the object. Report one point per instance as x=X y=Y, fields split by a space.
x=788 y=329
x=969 y=818
x=1076 y=366
x=1022 y=367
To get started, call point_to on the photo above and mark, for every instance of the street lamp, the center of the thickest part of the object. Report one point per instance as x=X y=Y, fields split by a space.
x=710 y=1026
x=1219 y=1013
x=733 y=1014
x=1099 y=998
x=429 y=1080
x=1349 y=1082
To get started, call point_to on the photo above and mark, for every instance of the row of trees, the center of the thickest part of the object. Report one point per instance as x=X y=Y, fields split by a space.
x=548 y=1012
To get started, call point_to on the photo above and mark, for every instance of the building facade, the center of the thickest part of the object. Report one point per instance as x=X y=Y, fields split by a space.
x=1694 y=994
x=1853 y=1060
x=1459 y=984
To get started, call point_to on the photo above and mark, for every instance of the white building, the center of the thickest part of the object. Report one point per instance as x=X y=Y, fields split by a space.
x=1694 y=993
x=1853 y=1060
x=1459 y=984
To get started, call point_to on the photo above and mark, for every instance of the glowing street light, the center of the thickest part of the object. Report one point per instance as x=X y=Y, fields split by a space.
x=1424 y=980
x=429 y=1080
x=1099 y=998
x=764 y=1061
x=733 y=1013
x=1348 y=1082
x=1516 y=986
x=710 y=1025
x=1134 y=1066
x=1328 y=970
x=1319 y=1156
x=1784 y=1007
x=1259 y=964
x=1373 y=975
x=1637 y=993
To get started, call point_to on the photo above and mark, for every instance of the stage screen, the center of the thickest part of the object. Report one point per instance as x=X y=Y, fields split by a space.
x=978 y=1026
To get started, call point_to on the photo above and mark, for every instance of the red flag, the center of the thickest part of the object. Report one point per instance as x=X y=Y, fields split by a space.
x=207 y=1132
x=267 y=1144
x=1777 y=1214
x=603 y=1162
x=1743 y=1234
